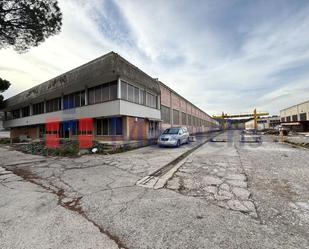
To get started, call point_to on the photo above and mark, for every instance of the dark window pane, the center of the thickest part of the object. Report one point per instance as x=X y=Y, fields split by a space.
x=99 y=127
x=91 y=96
x=130 y=93
x=38 y=108
x=82 y=98
x=71 y=100
x=77 y=99
x=119 y=126
x=124 y=90
x=105 y=92
x=66 y=102
x=113 y=91
x=97 y=97
x=26 y=111
x=303 y=116
x=16 y=113
x=142 y=97
x=105 y=126
x=136 y=95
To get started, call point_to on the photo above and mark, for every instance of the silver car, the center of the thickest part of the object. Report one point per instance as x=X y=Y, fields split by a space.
x=174 y=136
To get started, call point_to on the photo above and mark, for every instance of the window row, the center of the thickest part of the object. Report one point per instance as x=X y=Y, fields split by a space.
x=53 y=105
x=137 y=95
x=102 y=93
x=186 y=119
x=302 y=117
x=109 y=126
x=38 y=108
x=73 y=100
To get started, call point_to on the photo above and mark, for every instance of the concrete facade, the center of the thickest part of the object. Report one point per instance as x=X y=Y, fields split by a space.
x=123 y=102
x=296 y=117
x=173 y=105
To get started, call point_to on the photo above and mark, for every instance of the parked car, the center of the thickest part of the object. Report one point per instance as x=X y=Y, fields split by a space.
x=174 y=136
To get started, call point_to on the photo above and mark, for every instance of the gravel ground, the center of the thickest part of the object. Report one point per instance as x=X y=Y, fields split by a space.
x=225 y=195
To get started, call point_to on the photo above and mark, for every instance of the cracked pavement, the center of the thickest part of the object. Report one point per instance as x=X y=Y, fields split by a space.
x=225 y=195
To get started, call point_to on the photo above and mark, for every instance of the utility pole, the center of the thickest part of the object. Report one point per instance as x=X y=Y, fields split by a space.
x=255 y=119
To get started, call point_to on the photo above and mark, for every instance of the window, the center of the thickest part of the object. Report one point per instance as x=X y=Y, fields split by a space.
x=102 y=93
x=175 y=117
x=288 y=119
x=183 y=118
x=99 y=127
x=151 y=100
x=294 y=117
x=124 y=90
x=16 y=113
x=142 y=97
x=77 y=99
x=136 y=95
x=53 y=105
x=109 y=126
x=91 y=96
x=97 y=94
x=189 y=119
x=130 y=93
x=282 y=119
x=38 y=108
x=25 y=111
x=105 y=93
x=303 y=116
x=73 y=100
x=113 y=90
x=82 y=98
x=165 y=114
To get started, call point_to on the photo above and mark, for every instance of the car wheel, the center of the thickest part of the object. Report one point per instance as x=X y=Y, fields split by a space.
x=178 y=143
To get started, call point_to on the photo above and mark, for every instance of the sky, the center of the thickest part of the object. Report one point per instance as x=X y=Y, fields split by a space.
x=229 y=55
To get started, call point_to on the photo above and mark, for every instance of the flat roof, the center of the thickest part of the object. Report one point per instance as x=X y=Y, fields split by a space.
x=105 y=68
x=295 y=105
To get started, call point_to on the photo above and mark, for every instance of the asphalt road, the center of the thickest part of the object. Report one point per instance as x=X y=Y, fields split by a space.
x=225 y=195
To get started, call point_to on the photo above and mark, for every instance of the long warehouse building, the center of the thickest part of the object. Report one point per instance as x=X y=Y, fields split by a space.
x=296 y=117
x=123 y=102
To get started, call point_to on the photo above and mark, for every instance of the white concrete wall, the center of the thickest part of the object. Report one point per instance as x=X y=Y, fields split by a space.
x=110 y=108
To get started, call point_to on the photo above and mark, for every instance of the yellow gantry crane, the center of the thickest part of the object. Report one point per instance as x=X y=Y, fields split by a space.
x=254 y=115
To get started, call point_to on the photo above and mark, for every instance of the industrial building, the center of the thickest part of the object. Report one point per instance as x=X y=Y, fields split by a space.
x=296 y=117
x=264 y=123
x=123 y=103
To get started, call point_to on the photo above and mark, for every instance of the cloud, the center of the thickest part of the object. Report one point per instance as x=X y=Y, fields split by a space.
x=226 y=56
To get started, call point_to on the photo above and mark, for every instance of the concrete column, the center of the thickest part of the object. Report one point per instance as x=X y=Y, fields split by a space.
x=118 y=88
x=20 y=113
x=126 y=128
x=86 y=95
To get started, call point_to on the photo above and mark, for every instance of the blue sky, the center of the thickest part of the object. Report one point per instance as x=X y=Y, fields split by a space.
x=229 y=56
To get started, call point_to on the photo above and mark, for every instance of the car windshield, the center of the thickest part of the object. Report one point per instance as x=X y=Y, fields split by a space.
x=171 y=131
